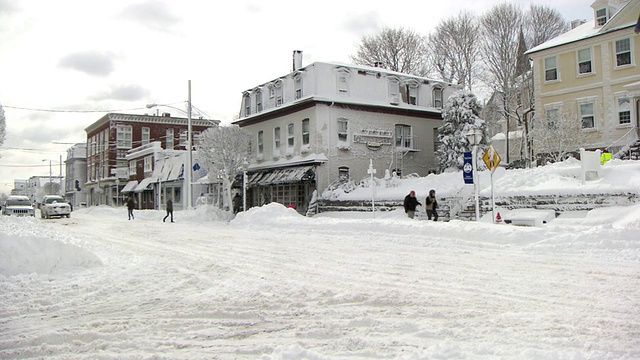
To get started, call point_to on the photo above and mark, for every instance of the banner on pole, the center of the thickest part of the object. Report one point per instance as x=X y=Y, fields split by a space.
x=467 y=168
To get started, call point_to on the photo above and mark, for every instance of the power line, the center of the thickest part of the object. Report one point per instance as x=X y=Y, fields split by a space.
x=69 y=111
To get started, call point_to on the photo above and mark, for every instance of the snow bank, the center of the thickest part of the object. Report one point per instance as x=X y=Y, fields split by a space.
x=25 y=252
x=562 y=178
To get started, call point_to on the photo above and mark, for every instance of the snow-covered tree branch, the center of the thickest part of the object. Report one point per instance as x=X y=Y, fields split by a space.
x=460 y=114
x=223 y=150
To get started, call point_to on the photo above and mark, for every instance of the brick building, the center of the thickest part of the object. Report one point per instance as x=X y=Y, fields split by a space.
x=110 y=139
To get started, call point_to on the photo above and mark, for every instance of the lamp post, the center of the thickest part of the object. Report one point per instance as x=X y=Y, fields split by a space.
x=474 y=137
x=189 y=165
x=245 y=167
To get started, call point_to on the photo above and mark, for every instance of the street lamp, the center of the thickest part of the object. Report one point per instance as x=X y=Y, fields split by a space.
x=474 y=137
x=245 y=167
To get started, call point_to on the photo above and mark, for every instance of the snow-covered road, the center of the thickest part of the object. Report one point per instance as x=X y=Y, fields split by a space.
x=275 y=285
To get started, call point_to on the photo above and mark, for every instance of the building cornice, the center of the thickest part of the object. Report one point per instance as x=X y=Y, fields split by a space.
x=273 y=113
x=148 y=119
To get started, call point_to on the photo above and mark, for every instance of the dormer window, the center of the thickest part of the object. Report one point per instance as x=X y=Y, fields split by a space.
x=409 y=92
x=343 y=81
x=258 y=100
x=601 y=16
x=394 y=91
x=278 y=91
x=437 y=97
x=298 y=86
x=247 y=104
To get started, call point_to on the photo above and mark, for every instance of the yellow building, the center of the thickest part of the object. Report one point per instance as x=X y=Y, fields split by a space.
x=590 y=77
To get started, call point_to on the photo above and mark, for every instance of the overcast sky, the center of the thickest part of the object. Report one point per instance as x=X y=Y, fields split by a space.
x=119 y=55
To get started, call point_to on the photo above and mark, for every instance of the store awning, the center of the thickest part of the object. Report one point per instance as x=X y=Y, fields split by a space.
x=130 y=186
x=282 y=176
x=145 y=184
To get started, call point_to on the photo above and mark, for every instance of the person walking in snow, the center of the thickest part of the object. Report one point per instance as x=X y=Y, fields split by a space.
x=431 y=205
x=131 y=204
x=410 y=203
x=237 y=203
x=169 y=210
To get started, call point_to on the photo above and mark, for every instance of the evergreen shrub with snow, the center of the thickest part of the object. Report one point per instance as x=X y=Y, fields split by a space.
x=460 y=114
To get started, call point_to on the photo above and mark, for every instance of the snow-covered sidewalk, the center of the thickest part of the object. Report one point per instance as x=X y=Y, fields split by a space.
x=272 y=284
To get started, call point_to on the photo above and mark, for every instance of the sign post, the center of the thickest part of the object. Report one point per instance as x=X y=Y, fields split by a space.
x=492 y=160
x=372 y=171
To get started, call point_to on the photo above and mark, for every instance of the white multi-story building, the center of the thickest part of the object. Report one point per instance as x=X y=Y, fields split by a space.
x=321 y=124
x=76 y=174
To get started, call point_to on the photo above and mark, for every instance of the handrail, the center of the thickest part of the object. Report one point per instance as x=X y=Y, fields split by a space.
x=629 y=143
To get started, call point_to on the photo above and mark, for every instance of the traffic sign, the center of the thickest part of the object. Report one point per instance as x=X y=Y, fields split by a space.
x=491 y=158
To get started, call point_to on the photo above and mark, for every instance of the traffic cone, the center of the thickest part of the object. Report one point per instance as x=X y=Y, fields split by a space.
x=498 y=218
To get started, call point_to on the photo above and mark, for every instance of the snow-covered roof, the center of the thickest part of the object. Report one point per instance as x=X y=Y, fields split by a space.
x=585 y=31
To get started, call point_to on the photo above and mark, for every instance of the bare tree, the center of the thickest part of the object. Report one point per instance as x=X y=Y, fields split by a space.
x=223 y=150
x=398 y=49
x=543 y=23
x=455 y=47
x=558 y=135
x=500 y=30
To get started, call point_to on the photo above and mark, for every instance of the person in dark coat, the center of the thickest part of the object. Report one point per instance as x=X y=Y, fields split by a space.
x=237 y=203
x=410 y=203
x=169 y=210
x=431 y=205
x=131 y=204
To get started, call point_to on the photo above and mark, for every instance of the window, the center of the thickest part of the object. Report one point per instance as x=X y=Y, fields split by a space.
x=305 y=132
x=624 y=111
x=183 y=138
x=169 y=139
x=623 y=52
x=437 y=97
x=343 y=173
x=298 y=86
x=278 y=87
x=148 y=160
x=413 y=95
x=409 y=92
x=550 y=69
x=584 y=62
x=436 y=140
x=276 y=140
x=553 y=118
x=290 y=136
x=404 y=139
x=587 y=117
x=146 y=135
x=343 y=130
x=258 y=100
x=132 y=167
x=601 y=16
x=272 y=91
x=124 y=136
x=260 y=142
x=343 y=84
x=394 y=91
x=247 y=105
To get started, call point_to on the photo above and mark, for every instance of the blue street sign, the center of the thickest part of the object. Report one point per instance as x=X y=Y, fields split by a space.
x=467 y=168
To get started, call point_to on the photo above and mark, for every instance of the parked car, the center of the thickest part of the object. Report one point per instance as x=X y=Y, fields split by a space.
x=18 y=205
x=54 y=205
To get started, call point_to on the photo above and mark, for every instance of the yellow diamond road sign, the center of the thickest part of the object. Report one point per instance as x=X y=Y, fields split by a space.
x=491 y=158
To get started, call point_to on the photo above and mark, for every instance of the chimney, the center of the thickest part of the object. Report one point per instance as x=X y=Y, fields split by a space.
x=297 y=59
